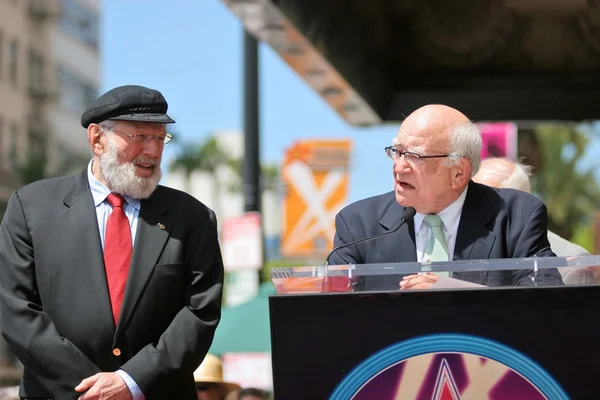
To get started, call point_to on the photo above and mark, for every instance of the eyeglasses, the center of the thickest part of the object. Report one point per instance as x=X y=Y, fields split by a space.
x=161 y=139
x=412 y=158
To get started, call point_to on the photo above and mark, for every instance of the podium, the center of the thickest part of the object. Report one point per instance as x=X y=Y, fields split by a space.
x=476 y=334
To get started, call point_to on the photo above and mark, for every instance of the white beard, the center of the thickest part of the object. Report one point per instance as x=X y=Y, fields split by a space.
x=121 y=178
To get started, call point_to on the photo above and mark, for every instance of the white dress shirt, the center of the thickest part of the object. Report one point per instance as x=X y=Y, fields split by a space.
x=450 y=219
x=103 y=210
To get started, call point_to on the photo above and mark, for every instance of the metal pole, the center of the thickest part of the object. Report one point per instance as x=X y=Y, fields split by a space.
x=251 y=184
x=251 y=132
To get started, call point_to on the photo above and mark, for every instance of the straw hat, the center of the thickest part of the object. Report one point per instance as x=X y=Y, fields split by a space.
x=211 y=371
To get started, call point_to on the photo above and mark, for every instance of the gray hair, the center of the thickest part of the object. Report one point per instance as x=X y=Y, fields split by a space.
x=108 y=124
x=502 y=172
x=519 y=179
x=465 y=141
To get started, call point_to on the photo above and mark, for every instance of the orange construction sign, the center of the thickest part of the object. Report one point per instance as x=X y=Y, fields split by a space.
x=315 y=175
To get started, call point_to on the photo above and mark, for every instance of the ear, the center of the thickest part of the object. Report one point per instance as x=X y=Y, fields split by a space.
x=461 y=173
x=94 y=132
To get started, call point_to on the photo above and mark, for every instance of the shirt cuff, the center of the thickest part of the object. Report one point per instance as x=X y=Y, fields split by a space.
x=135 y=390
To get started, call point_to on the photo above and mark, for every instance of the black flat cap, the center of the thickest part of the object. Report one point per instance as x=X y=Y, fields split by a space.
x=128 y=103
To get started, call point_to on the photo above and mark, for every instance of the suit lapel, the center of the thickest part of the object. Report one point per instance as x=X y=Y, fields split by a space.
x=151 y=236
x=81 y=224
x=399 y=246
x=474 y=241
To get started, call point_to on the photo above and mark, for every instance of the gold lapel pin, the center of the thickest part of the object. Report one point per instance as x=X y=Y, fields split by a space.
x=161 y=226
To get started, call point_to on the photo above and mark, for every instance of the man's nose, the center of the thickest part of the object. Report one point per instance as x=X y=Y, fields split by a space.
x=153 y=148
x=401 y=164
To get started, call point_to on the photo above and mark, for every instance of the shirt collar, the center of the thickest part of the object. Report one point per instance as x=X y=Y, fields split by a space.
x=100 y=192
x=450 y=215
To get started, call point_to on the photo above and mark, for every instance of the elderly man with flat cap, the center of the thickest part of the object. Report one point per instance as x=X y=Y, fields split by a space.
x=435 y=155
x=110 y=285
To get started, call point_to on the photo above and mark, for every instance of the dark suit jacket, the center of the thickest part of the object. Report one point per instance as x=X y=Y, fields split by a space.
x=54 y=304
x=495 y=223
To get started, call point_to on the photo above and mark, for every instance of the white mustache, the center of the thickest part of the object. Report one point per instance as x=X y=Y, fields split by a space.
x=144 y=160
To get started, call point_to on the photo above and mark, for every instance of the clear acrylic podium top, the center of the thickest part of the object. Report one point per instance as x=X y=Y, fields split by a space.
x=461 y=274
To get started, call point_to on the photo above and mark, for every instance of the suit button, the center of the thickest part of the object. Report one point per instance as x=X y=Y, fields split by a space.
x=116 y=352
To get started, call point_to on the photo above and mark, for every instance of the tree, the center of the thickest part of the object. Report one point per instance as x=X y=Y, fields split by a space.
x=188 y=161
x=35 y=167
x=269 y=176
x=3 y=205
x=570 y=191
x=206 y=156
x=269 y=179
x=210 y=157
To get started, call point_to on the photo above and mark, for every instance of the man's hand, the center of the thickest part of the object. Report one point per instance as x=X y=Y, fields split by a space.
x=104 y=386
x=595 y=273
x=423 y=281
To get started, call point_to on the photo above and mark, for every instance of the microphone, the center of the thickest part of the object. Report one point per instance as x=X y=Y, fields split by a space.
x=407 y=215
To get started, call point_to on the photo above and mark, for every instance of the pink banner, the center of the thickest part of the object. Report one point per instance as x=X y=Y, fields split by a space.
x=499 y=140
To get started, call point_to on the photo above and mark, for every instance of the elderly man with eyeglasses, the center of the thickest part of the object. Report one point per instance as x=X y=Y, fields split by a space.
x=110 y=284
x=435 y=155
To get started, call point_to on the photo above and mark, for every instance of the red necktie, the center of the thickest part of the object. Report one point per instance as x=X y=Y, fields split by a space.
x=117 y=252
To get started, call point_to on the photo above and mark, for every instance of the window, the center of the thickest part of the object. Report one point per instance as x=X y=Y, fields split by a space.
x=3 y=145
x=79 y=22
x=14 y=137
x=36 y=69
x=13 y=61
x=1 y=54
x=37 y=145
x=75 y=94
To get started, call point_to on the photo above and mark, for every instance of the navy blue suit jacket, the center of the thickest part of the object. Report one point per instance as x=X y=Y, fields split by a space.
x=495 y=223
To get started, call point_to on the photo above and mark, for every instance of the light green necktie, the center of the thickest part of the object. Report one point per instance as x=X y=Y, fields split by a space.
x=437 y=247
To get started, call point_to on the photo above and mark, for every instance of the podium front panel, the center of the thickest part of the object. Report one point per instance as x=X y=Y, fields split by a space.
x=517 y=343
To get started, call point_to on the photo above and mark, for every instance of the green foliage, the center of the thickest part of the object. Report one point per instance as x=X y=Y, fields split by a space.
x=570 y=192
x=187 y=159
x=34 y=168
x=209 y=155
x=583 y=235
x=269 y=176
x=206 y=156
x=3 y=205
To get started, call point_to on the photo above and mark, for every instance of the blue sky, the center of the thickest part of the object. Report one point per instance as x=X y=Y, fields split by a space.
x=191 y=50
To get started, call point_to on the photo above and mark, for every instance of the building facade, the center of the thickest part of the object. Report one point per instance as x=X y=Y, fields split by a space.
x=49 y=72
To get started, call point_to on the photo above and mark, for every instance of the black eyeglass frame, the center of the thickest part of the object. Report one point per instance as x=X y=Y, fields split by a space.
x=141 y=138
x=390 y=150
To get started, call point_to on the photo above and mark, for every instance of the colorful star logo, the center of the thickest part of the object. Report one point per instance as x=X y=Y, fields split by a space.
x=445 y=385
